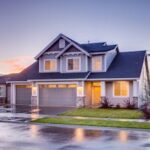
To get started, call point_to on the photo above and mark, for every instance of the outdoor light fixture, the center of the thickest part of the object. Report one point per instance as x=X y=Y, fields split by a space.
x=34 y=90
x=80 y=91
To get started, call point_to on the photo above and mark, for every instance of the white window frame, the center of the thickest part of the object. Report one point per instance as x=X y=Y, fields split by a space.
x=128 y=90
x=101 y=59
x=55 y=70
x=4 y=90
x=67 y=69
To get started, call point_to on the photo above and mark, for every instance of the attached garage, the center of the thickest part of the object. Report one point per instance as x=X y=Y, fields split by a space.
x=57 y=95
x=23 y=95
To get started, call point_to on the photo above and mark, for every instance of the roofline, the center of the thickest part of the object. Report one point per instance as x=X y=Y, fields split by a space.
x=75 y=45
x=77 y=79
x=65 y=38
x=103 y=52
x=112 y=79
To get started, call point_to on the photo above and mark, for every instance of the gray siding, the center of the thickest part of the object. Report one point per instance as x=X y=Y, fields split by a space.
x=118 y=100
x=109 y=58
x=55 y=46
x=48 y=56
x=83 y=62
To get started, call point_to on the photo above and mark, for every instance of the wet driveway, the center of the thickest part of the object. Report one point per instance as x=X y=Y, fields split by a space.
x=43 y=137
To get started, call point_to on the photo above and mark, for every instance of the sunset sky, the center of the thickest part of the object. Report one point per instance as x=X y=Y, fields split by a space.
x=27 y=26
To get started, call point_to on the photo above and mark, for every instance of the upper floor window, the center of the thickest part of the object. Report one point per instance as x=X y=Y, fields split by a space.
x=62 y=43
x=121 y=88
x=50 y=65
x=73 y=64
x=96 y=63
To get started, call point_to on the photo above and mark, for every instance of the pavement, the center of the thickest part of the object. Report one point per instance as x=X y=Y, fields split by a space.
x=16 y=136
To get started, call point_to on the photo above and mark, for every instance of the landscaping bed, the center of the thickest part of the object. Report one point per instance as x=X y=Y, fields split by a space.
x=105 y=113
x=91 y=122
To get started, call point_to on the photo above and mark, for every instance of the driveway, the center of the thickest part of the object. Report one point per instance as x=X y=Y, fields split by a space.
x=44 y=137
x=38 y=110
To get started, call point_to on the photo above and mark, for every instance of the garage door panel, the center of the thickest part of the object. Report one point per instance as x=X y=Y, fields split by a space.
x=57 y=96
x=23 y=96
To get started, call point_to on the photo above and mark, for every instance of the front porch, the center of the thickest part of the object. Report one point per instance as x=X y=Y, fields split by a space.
x=96 y=91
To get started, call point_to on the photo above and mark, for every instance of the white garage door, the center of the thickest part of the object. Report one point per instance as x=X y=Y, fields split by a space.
x=57 y=95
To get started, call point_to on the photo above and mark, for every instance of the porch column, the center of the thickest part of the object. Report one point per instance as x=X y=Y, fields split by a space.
x=13 y=94
x=34 y=96
x=103 y=89
x=135 y=92
x=80 y=95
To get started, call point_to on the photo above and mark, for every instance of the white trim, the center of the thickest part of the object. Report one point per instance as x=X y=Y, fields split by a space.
x=60 y=64
x=103 y=88
x=112 y=79
x=48 y=46
x=40 y=83
x=60 y=53
x=51 y=52
x=72 y=53
x=72 y=44
x=64 y=37
x=76 y=57
x=86 y=63
x=49 y=80
x=128 y=90
x=56 y=67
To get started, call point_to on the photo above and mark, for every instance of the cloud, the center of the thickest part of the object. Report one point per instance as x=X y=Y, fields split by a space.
x=15 y=65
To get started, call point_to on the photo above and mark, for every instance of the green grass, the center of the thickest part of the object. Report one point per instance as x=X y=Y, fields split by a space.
x=104 y=113
x=88 y=122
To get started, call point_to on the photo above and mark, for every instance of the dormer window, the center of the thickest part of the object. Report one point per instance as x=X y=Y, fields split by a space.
x=96 y=63
x=50 y=65
x=62 y=43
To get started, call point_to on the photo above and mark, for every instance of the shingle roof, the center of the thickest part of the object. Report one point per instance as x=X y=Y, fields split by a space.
x=5 y=78
x=125 y=65
x=97 y=47
x=94 y=47
x=32 y=73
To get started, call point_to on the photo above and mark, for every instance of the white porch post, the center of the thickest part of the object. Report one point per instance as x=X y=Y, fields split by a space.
x=13 y=94
x=80 y=94
x=34 y=96
x=135 y=92
x=103 y=89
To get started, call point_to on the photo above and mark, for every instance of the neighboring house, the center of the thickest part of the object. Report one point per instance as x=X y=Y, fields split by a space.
x=70 y=74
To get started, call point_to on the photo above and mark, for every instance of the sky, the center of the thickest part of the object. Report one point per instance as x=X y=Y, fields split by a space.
x=27 y=26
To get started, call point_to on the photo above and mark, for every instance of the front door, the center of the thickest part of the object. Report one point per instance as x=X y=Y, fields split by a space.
x=96 y=94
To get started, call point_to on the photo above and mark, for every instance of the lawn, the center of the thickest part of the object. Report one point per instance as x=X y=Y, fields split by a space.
x=104 y=113
x=88 y=122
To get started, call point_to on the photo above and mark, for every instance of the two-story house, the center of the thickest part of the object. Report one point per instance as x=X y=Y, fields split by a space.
x=70 y=74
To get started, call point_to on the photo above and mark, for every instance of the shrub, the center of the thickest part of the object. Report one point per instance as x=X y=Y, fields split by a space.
x=118 y=106
x=146 y=110
x=130 y=104
x=106 y=103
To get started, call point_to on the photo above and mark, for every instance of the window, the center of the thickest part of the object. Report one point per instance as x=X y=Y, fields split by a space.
x=96 y=63
x=62 y=43
x=121 y=88
x=73 y=64
x=2 y=91
x=50 y=65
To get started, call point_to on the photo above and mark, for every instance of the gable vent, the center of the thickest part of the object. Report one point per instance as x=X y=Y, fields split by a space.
x=62 y=43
